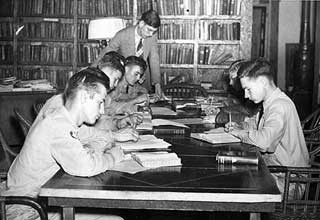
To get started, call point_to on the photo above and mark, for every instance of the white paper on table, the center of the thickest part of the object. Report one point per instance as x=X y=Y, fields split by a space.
x=129 y=166
x=158 y=122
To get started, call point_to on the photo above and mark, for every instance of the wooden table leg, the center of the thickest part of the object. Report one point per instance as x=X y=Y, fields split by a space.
x=68 y=213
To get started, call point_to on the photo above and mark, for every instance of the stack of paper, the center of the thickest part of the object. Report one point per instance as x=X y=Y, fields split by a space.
x=144 y=142
x=157 y=159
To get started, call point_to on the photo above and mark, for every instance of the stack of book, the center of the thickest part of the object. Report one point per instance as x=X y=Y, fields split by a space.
x=6 y=84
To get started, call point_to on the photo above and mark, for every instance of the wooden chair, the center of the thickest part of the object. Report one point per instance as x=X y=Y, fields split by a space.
x=22 y=200
x=305 y=208
x=311 y=131
x=37 y=107
x=312 y=120
x=8 y=152
x=24 y=123
x=184 y=90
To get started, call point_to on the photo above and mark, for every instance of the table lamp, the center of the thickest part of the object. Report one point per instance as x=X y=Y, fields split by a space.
x=103 y=29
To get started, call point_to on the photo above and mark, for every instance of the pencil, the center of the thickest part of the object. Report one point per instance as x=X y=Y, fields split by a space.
x=230 y=118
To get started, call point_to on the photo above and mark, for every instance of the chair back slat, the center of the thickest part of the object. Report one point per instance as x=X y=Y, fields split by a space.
x=24 y=123
x=301 y=193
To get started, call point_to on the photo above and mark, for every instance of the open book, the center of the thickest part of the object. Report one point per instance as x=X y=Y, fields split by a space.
x=144 y=142
x=146 y=124
x=157 y=159
x=216 y=138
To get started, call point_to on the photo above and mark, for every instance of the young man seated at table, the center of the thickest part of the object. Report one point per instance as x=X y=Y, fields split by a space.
x=53 y=143
x=239 y=107
x=129 y=93
x=112 y=65
x=277 y=131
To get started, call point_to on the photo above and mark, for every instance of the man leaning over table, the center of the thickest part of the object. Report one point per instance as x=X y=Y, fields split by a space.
x=53 y=144
x=277 y=131
x=129 y=93
x=128 y=40
x=112 y=64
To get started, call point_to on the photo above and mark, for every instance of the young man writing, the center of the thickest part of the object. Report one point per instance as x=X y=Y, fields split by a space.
x=53 y=143
x=277 y=131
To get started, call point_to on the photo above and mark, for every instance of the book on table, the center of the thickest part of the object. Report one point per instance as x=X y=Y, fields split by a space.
x=157 y=159
x=216 y=138
x=237 y=157
x=145 y=142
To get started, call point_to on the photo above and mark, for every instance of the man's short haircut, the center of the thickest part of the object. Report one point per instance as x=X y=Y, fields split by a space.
x=255 y=68
x=87 y=79
x=151 y=18
x=134 y=60
x=113 y=60
x=235 y=66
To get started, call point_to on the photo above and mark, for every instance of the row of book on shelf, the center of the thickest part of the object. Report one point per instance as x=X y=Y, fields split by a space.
x=45 y=53
x=45 y=7
x=172 y=29
x=125 y=7
x=215 y=54
x=49 y=29
x=220 y=7
x=176 y=53
x=219 y=31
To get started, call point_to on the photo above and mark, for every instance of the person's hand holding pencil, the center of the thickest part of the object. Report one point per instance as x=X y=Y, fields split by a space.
x=230 y=125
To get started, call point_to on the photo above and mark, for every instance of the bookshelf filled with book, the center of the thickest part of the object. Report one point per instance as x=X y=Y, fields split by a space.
x=197 y=40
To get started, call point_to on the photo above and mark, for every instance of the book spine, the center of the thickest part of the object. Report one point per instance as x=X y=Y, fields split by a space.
x=166 y=131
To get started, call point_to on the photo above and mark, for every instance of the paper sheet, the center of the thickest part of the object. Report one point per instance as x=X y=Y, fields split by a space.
x=129 y=166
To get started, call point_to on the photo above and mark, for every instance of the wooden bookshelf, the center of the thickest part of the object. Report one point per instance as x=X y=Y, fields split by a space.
x=200 y=39
x=197 y=38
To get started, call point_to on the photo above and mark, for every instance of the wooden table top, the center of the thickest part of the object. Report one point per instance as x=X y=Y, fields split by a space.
x=199 y=179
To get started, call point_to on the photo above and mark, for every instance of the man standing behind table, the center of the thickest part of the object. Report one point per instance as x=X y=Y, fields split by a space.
x=53 y=143
x=277 y=131
x=140 y=40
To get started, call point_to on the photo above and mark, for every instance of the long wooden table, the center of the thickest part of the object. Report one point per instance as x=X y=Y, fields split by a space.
x=200 y=184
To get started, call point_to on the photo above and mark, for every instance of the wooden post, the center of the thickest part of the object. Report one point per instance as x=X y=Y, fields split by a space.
x=303 y=77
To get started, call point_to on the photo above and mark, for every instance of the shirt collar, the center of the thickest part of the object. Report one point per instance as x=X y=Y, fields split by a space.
x=275 y=94
x=137 y=37
x=67 y=115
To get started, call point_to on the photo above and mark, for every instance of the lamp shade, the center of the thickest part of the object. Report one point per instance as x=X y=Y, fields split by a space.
x=104 y=28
